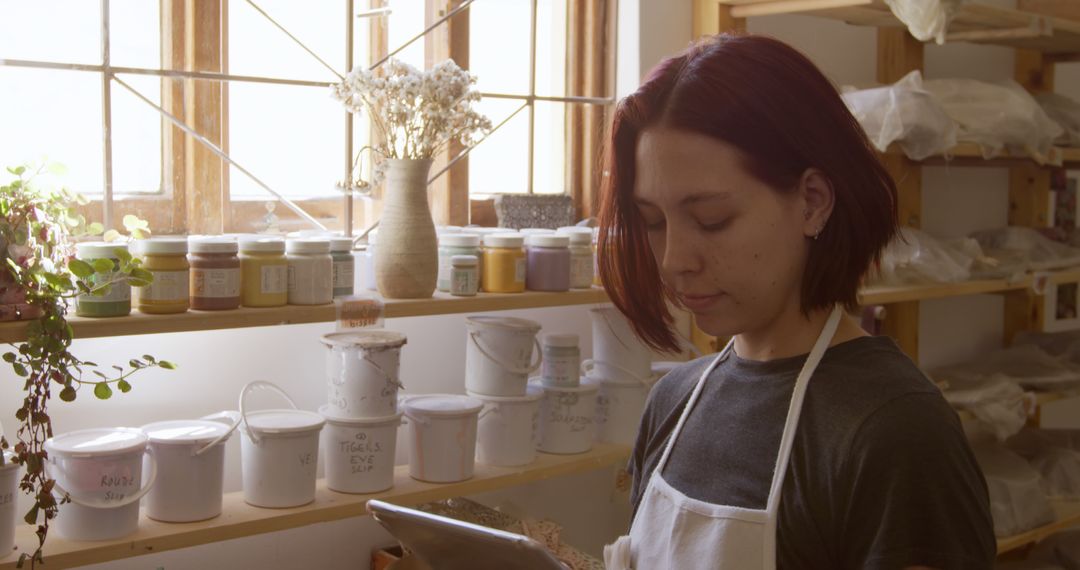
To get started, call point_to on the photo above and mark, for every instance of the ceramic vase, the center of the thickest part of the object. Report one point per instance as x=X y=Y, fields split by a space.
x=407 y=255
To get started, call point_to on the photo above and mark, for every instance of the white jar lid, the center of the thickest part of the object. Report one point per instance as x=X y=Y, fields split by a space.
x=213 y=245
x=308 y=245
x=162 y=246
x=97 y=442
x=561 y=340
x=464 y=261
x=263 y=245
x=335 y=418
x=535 y=231
x=442 y=405
x=181 y=432
x=475 y=323
x=460 y=240
x=309 y=234
x=279 y=422
x=504 y=240
x=448 y=230
x=532 y=393
x=341 y=243
x=549 y=240
x=368 y=339
x=99 y=249
x=578 y=235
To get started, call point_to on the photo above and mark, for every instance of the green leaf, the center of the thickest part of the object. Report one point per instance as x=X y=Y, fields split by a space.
x=17 y=171
x=122 y=254
x=67 y=394
x=142 y=274
x=20 y=370
x=95 y=229
x=111 y=235
x=9 y=357
x=124 y=386
x=31 y=515
x=102 y=391
x=57 y=169
x=167 y=365
x=80 y=268
x=149 y=358
x=104 y=266
x=138 y=282
x=140 y=233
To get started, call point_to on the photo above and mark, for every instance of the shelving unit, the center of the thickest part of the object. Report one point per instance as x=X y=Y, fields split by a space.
x=1068 y=515
x=240 y=519
x=969 y=154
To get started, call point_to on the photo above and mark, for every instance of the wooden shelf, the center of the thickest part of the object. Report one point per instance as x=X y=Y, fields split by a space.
x=1068 y=514
x=883 y=295
x=440 y=304
x=974 y=23
x=969 y=154
x=240 y=519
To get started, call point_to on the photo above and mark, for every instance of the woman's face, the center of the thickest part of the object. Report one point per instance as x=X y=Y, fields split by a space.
x=730 y=246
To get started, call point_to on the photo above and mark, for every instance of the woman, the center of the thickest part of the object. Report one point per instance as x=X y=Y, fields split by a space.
x=741 y=188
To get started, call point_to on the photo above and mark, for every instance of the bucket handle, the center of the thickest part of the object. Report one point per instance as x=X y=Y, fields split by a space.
x=134 y=498
x=588 y=364
x=260 y=385
x=514 y=370
x=229 y=418
x=384 y=373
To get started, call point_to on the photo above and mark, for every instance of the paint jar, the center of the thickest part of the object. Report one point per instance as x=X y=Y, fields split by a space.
x=215 y=273
x=506 y=435
x=504 y=263
x=367 y=262
x=464 y=275
x=166 y=259
x=442 y=436
x=115 y=303
x=191 y=467
x=454 y=244
x=101 y=470
x=362 y=372
x=359 y=452
x=562 y=360
x=264 y=273
x=567 y=418
x=311 y=271
x=619 y=406
x=499 y=355
x=582 y=264
x=548 y=263
x=344 y=268
x=9 y=489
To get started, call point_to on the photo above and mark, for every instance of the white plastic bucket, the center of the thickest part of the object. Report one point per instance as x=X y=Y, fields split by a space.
x=362 y=372
x=442 y=436
x=567 y=418
x=619 y=406
x=617 y=353
x=191 y=467
x=507 y=432
x=279 y=451
x=9 y=492
x=499 y=355
x=359 y=453
x=101 y=469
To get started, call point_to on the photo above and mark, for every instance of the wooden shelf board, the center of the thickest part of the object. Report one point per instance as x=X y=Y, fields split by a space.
x=440 y=304
x=969 y=154
x=1068 y=514
x=240 y=519
x=882 y=295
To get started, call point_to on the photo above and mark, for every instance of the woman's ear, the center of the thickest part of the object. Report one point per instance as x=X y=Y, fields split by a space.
x=818 y=198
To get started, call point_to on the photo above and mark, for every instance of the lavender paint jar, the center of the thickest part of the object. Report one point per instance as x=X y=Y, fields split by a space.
x=548 y=263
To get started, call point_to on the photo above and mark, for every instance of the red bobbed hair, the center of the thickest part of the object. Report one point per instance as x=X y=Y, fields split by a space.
x=784 y=116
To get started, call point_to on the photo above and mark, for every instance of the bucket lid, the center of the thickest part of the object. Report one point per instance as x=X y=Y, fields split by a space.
x=594 y=378
x=503 y=322
x=587 y=385
x=532 y=394
x=442 y=405
x=336 y=418
x=286 y=421
x=375 y=338
x=185 y=432
x=96 y=442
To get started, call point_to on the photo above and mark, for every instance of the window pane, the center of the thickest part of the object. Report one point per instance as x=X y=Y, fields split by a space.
x=135 y=33
x=550 y=47
x=258 y=47
x=499 y=46
x=51 y=30
x=500 y=163
x=55 y=114
x=406 y=21
x=549 y=152
x=136 y=137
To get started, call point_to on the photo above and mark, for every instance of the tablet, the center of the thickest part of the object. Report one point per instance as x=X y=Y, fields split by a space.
x=449 y=544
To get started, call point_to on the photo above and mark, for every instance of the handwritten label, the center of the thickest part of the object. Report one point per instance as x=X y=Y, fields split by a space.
x=306 y=458
x=7 y=499
x=358 y=311
x=362 y=452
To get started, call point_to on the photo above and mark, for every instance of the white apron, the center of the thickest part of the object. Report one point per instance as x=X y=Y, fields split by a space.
x=673 y=531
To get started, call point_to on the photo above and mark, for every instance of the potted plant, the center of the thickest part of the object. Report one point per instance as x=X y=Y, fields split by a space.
x=417 y=113
x=37 y=225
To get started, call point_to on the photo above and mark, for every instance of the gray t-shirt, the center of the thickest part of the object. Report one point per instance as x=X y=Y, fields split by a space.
x=881 y=475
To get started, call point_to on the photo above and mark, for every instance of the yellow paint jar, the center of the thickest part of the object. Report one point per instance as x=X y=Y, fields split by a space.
x=264 y=273
x=504 y=263
x=166 y=259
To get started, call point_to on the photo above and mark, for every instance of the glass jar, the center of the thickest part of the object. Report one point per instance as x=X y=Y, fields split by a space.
x=215 y=273
x=548 y=263
x=117 y=301
x=451 y=245
x=581 y=256
x=344 y=265
x=264 y=272
x=311 y=271
x=562 y=360
x=464 y=275
x=166 y=259
x=504 y=263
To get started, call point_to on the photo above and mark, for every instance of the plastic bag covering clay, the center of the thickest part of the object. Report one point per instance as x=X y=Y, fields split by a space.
x=1017 y=501
x=997 y=116
x=915 y=256
x=997 y=403
x=1027 y=365
x=903 y=112
x=1066 y=112
x=925 y=19
x=1057 y=463
x=1025 y=249
x=1064 y=346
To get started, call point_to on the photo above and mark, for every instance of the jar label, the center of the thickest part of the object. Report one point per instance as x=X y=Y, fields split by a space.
x=215 y=283
x=561 y=370
x=167 y=286
x=274 y=279
x=581 y=271
x=519 y=270
x=343 y=274
x=464 y=281
x=118 y=291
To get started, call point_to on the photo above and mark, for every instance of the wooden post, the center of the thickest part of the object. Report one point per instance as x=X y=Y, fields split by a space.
x=173 y=145
x=710 y=18
x=204 y=173
x=450 y=193
x=588 y=74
